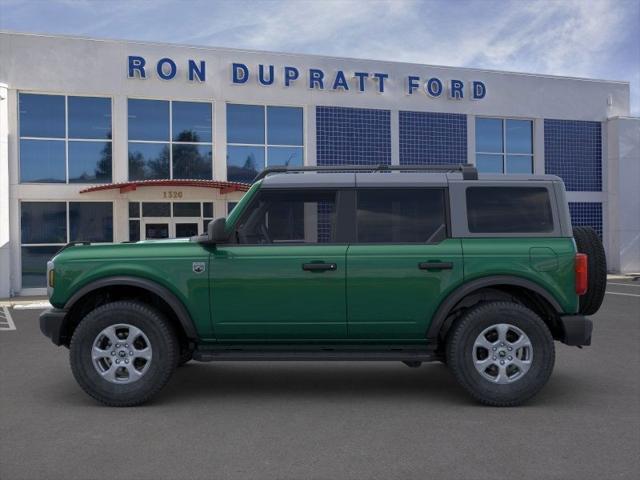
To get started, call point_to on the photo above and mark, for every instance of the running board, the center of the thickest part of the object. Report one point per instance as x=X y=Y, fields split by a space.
x=222 y=355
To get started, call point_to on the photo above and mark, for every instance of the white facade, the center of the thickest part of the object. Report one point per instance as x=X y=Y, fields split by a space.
x=83 y=67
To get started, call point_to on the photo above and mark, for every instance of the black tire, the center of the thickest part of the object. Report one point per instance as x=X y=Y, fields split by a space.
x=163 y=342
x=460 y=353
x=587 y=241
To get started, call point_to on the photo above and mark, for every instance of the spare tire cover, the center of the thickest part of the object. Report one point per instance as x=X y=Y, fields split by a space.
x=588 y=242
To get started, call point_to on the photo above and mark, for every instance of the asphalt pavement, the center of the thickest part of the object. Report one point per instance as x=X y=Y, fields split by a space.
x=326 y=420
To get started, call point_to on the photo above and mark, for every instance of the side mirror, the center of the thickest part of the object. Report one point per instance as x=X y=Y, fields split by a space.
x=217 y=230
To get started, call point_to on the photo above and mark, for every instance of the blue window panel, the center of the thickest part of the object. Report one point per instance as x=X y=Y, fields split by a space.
x=284 y=126
x=587 y=214
x=245 y=124
x=192 y=122
x=41 y=115
x=148 y=161
x=573 y=151
x=353 y=136
x=42 y=161
x=519 y=164
x=230 y=207
x=134 y=209
x=134 y=230
x=34 y=265
x=489 y=163
x=432 y=138
x=519 y=136
x=192 y=161
x=91 y=221
x=89 y=117
x=148 y=119
x=43 y=222
x=285 y=156
x=207 y=210
x=89 y=162
x=244 y=163
x=489 y=135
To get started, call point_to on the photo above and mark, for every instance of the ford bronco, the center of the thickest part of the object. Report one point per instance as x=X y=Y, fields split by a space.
x=389 y=263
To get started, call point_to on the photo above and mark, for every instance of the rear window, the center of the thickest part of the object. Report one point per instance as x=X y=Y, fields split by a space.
x=509 y=210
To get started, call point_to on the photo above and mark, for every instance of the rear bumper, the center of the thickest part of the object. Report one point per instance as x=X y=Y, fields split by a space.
x=575 y=330
x=52 y=323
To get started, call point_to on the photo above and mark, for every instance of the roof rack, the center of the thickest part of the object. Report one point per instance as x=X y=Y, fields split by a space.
x=469 y=172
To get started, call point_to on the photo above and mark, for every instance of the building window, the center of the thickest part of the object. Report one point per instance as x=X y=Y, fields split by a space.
x=573 y=151
x=65 y=139
x=153 y=220
x=587 y=214
x=432 y=138
x=259 y=136
x=504 y=145
x=170 y=139
x=48 y=226
x=353 y=136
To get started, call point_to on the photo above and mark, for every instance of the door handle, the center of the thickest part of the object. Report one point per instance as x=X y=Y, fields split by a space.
x=435 y=265
x=319 y=267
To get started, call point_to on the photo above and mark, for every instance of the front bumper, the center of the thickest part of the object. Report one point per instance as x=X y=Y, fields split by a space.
x=575 y=330
x=52 y=325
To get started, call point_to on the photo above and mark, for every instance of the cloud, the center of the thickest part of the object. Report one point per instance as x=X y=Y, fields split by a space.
x=587 y=38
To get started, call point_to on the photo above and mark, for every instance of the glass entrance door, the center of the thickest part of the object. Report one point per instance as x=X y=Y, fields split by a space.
x=159 y=228
x=187 y=227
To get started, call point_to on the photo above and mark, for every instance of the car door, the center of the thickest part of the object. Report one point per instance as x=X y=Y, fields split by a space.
x=285 y=277
x=402 y=264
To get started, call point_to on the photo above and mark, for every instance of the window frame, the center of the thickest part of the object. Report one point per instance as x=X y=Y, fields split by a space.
x=504 y=154
x=66 y=139
x=265 y=146
x=459 y=214
x=67 y=230
x=344 y=213
x=445 y=204
x=140 y=218
x=170 y=142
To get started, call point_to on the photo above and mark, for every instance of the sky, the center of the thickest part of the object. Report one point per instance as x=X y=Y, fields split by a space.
x=579 y=38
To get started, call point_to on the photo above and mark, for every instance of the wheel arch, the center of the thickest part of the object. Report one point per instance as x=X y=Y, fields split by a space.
x=109 y=289
x=508 y=285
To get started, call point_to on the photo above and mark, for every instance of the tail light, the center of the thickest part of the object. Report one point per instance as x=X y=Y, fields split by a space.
x=582 y=273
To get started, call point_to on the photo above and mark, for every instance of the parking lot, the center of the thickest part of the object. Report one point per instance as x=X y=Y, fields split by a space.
x=326 y=420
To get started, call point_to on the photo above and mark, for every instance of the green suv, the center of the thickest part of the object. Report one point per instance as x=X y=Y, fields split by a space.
x=409 y=264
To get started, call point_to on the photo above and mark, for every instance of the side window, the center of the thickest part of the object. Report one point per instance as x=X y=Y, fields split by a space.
x=408 y=215
x=289 y=216
x=509 y=210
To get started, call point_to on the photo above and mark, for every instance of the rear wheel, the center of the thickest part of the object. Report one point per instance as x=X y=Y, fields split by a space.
x=123 y=353
x=502 y=353
x=588 y=242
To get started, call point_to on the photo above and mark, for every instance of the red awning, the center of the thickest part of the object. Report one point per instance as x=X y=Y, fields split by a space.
x=224 y=187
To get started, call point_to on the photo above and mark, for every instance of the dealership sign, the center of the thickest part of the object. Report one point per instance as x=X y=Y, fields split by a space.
x=313 y=78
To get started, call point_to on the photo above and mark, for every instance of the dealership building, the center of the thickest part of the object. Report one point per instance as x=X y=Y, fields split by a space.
x=113 y=141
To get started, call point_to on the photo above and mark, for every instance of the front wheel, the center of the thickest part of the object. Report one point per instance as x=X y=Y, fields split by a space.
x=123 y=353
x=502 y=353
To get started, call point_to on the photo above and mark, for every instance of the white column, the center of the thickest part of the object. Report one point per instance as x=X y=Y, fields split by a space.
x=310 y=136
x=623 y=201
x=220 y=141
x=538 y=146
x=395 y=137
x=120 y=155
x=471 y=139
x=5 y=244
